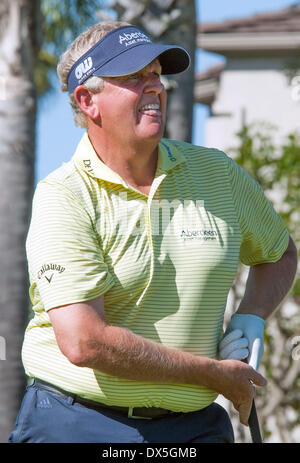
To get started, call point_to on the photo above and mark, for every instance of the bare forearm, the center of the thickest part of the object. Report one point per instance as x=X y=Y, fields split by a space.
x=86 y=339
x=127 y=355
x=268 y=284
x=124 y=354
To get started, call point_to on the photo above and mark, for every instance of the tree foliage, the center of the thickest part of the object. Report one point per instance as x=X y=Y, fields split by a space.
x=277 y=169
x=62 y=22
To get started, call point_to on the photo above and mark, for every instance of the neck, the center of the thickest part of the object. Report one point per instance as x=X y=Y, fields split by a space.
x=135 y=163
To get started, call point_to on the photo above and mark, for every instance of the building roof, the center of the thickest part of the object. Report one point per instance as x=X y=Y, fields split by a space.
x=207 y=84
x=273 y=33
x=287 y=20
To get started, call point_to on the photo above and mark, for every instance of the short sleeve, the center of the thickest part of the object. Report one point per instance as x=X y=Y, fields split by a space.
x=264 y=234
x=65 y=259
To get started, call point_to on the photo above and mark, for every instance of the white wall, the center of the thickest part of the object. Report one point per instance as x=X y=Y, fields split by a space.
x=252 y=90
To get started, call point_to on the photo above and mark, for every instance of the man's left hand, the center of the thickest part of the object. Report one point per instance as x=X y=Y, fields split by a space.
x=244 y=338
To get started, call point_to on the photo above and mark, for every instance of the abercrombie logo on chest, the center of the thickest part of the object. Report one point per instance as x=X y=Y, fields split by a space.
x=198 y=234
x=50 y=268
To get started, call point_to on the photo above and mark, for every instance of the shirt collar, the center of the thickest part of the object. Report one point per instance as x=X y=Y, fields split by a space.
x=169 y=157
x=86 y=159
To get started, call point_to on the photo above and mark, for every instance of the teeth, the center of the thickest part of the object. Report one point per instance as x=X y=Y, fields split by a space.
x=150 y=106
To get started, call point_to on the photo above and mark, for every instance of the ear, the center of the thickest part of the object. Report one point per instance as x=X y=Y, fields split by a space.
x=86 y=102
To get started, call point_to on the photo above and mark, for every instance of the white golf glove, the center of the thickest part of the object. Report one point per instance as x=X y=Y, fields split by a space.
x=244 y=339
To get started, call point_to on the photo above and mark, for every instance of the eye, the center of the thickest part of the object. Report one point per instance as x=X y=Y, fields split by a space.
x=133 y=76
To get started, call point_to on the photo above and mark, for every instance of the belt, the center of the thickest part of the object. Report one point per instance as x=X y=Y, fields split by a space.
x=146 y=413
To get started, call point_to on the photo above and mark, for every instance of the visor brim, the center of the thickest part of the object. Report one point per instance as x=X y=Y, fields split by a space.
x=173 y=60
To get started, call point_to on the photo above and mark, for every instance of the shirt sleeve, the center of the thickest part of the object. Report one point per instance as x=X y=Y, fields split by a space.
x=65 y=260
x=264 y=235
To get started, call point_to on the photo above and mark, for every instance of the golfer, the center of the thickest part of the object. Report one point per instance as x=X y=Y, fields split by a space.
x=133 y=247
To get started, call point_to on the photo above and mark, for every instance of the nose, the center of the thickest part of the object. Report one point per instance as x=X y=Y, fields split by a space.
x=154 y=84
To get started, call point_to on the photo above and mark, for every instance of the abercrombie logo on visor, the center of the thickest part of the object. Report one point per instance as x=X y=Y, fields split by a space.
x=134 y=37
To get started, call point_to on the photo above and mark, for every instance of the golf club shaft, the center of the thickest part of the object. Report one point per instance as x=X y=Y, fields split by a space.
x=254 y=423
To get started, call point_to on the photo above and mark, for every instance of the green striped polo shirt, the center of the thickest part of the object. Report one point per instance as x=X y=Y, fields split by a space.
x=165 y=262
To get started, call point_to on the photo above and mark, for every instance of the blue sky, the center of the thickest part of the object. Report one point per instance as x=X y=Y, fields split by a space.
x=57 y=135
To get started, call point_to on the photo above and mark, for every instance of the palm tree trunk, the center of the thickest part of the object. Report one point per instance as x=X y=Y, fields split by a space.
x=19 y=23
x=181 y=98
x=173 y=22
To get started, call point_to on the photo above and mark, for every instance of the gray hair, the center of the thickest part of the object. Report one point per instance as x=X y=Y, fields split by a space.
x=81 y=45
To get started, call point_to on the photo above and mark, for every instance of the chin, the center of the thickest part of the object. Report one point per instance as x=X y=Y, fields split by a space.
x=155 y=133
x=155 y=138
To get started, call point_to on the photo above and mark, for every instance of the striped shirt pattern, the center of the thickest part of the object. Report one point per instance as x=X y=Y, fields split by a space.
x=164 y=262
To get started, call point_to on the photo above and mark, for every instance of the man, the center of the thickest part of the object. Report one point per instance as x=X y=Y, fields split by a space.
x=132 y=250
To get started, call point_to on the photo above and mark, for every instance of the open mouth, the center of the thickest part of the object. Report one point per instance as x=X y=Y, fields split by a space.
x=152 y=109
